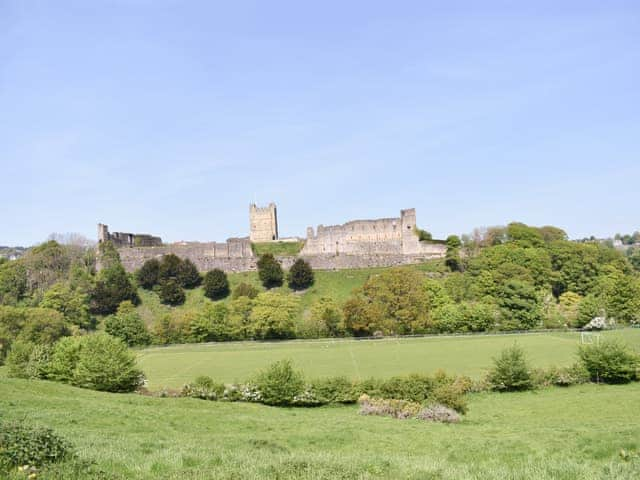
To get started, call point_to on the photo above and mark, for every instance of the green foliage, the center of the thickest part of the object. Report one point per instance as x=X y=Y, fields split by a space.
x=452 y=257
x=148 y=275
x=13 y=282
x=112 y=288
x=287 y=249
x=633 y=254
x=18 y=359
x=72 y=303
x=244 y=290
x=279 y=383
x=519 y=304
x=300 y=275
x=64 y=359
x=524 y=235
x=620 y=295
x=610 y=361
x=171 y=293
x=127 y=325
x=211 y=324
x=216 y=284
x=273 y=315
x=204 y=388
x=589 y=308
x=270 y=271
x=423 y=235
x=451 y=395
x=326 y=315
x=24 y=444
x=335 y=390
x=42 y=326
x=170 y=267
x=511 y=371
x=188 y=275
x=105 y=363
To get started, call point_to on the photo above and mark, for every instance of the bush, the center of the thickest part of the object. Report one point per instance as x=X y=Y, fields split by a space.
x=450 y=395
x=18 y=359
x=43 y=326
x=112 y=288
x=300 y=275
x=188 y=274
x=64 y=359
x=216 y=284
x=171 y=293
x=270 y=271
x=279 y=383
x=170 y=266
x=413 y=388
x=204 y=388
x=105 y=363
x=388 y=407
x=149 y=274
x=127 y=325
x=439 y=413
x=334 y=390
x=562 y=377
x=22 y=444
x=510 y=371
x=245 y=290
x=610 y=361
x=273 y=315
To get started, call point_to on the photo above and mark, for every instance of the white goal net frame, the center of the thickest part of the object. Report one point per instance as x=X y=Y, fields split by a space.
x=588 y=338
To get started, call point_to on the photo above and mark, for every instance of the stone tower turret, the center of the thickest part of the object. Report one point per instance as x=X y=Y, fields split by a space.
x=263 y=222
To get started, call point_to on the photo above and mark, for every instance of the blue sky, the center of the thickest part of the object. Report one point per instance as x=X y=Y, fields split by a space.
x=170 y=117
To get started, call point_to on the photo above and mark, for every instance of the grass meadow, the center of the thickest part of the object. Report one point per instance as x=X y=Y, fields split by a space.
x=470 y=355
x=557 y=433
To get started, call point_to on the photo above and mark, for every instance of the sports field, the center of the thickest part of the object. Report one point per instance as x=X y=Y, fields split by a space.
x=469 y=355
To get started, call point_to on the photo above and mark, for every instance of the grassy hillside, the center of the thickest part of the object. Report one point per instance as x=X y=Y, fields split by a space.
x=337 y=285
x=556 y=434
x=471 y=355
x=278 y=248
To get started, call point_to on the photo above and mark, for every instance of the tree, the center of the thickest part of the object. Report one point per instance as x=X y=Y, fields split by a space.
x=216 y=284
x=589 y=308
x=279 y=383
x=149 y=274
x=171 y=293
x=610 y=361
x=170 y=266
x=300 y=275
x=73 y=304
x=270 y=271
x=519 y=305
x=245 y=290
x=452 y=257
x=524 y=235
x=127 y=325
x=188 y=275
x=112 y=288
x=273 y=315
x=43 y=326
x=511 y=371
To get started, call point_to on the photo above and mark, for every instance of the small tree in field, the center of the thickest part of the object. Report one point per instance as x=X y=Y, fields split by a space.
x=148 y=275
x=510 y=371
x=188 y=275
x=270 y=271
x=171 y=293
x=610 y=361
x=216 y=284
x=300 y=276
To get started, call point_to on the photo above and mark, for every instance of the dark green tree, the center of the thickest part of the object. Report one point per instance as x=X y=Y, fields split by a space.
x=270 y=271
x=452 y=257
x=300 y=275
x=127 y=325
x=216 y=284
x=149 y=274
x=171 y=293
x=245 y=290
x=111 y=289
x=188 y=274
x=170 y=266
x=519 y=305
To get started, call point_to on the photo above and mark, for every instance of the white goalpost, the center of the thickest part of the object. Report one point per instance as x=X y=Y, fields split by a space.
x=587 y=338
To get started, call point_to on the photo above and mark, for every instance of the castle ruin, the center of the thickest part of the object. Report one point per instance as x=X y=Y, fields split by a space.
x=357 y=244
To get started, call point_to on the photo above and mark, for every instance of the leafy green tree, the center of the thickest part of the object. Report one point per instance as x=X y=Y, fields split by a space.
x=327 y=313
x=273 y=315
x=280 y=383
x=553 y=234
x=524 y=235
x=634 y=258
x=13 y=282
x=568 y=304
x=216 y=284
x=43 y=326
x=511 y=371
x=620 y=294
x=73 y=304
x=211 y=324
x=188 y=274
x=127 y=325
x=245 y=290
x=171 y=293
x=589 y=308
x=610 y=361
x=519 y=305
x=239 y=318
x=270 y=271
x=170 y=267
x=300 y=275
x=112 y=287
x=148 y=275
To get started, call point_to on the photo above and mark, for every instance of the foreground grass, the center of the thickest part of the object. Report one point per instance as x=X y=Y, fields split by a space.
x=557 y=434
x=469 y=355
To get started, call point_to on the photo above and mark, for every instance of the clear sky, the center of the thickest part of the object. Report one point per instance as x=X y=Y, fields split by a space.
x=170 y=117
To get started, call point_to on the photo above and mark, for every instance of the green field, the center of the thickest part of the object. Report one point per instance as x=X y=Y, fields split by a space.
x=290 y=249
x=470 y=355
x=559 y=434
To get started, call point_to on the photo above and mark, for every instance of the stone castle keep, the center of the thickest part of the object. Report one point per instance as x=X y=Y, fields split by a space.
x=355 y=244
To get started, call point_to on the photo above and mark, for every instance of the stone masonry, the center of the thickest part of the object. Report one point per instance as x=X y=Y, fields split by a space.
x=263 y=223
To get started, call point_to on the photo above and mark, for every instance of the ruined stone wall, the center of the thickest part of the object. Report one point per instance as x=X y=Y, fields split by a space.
x=263 y=223
x=124 y=239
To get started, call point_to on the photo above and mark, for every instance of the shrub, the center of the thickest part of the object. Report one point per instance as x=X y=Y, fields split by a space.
x=64 y=359
x=171 y=293
x=205 y=388
x=245 y=290
x=279 y=383
x=18 y=359
x=300 y=275
x=111 y=289
x=149 y=274
x=43 y=326
x=73 y=304
x=273 y=315
x=610 y=361
x=438 y=413
x=562 y=377
x=23 y=444
x=105 y=363
x=169 y=268
x=216 y=284
x=188 y=274
x=270 y=271
x=510 y=371
x=335 y=390
x=127 y=325
x=414 y=388
x=450 y=395
x=388 y=407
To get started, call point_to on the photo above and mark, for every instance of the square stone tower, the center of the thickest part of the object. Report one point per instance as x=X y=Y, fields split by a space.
x=263 y=222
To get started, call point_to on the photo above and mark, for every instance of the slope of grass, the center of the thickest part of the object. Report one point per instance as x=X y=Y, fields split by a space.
x=470 y=355
x=287 y=249
x=559 y=434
